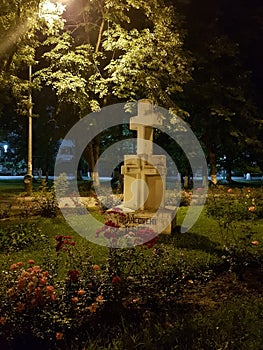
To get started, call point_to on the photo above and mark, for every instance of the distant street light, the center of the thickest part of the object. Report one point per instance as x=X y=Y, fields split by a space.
x=51 y=12
x=29 y=176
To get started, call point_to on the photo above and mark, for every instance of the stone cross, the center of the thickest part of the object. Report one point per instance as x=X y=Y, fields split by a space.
x=144 y=173
x=144 y=123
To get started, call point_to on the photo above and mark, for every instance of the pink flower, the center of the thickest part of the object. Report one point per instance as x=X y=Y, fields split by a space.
x=36 y=268
x=11 y=292
x=2 y=320
x=255 y=242
x=100 y=298
x=20 y=307
x=13 y=266
x=81 y=292
x=42 y=281
x=50 y=289
x=92 y=308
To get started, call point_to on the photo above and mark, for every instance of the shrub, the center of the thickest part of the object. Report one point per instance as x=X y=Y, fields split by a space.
x=21 y=236
x=86 y=188
x=5 y=212
x=62 y=185
x=66 y=298
x=234 y=209
x=46 y=202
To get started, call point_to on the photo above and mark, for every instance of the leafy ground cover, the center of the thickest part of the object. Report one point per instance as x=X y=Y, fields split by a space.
x=197 y=290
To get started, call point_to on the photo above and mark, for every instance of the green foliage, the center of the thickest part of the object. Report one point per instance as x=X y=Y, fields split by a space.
x=46 y=202
x=4 y=212
x=127 y=59
x=18 y=237
x=85 y=188
x=233 y=209
x=149 y=65
x=92 y=297
x=235 y=325
x=62 y=185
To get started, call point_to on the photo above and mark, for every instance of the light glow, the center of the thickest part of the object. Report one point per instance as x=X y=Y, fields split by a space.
x=51 y=11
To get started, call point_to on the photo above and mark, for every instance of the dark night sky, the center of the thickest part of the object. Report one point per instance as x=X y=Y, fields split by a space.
x=241 y=20
x=244 y=24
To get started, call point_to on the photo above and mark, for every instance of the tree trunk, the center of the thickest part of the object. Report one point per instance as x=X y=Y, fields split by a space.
x=204 y=178
x=228 y=171
x=92 y=155
x=212 y=162
x=187 y=178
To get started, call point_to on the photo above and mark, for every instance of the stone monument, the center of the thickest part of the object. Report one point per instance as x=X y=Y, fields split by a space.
x=145 y=176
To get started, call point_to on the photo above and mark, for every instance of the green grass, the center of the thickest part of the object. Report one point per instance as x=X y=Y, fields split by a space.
x=234 y=323
x=201 y=246
x=11 y=188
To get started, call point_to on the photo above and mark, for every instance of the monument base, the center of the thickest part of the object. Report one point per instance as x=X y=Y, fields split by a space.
x=163 y=221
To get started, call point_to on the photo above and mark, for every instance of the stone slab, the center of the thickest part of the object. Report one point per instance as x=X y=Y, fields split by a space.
x=163 y=221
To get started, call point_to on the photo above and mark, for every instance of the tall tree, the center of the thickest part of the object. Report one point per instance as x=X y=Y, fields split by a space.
x=219 y=97
x=127 y=50
x=23 y=25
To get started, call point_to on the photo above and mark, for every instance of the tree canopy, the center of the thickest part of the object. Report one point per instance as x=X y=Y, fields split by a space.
x=182 y=55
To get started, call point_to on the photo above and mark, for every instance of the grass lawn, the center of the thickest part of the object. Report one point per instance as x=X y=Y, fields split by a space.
x=11 y=187
x=187 y=292
x=202 y=241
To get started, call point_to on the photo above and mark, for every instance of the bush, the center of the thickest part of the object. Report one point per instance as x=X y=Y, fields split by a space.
x=4 y=213
x=21 y=236
x=64 y=300
x=234 y=209
x=46 y=202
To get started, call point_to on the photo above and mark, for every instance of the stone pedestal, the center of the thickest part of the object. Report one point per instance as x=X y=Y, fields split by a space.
x=163 y=221
x=144 y=182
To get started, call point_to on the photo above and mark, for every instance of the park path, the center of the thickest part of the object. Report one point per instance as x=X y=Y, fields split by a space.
x=13 y=205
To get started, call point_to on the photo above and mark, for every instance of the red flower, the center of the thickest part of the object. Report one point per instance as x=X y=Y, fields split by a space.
x=73 y=275
x=62 y=241
x=151 y=243
x=31 y=262
x=59 y=245
x=59 y=238
x=59 y=335
x=111 y=224
x=116 y=279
